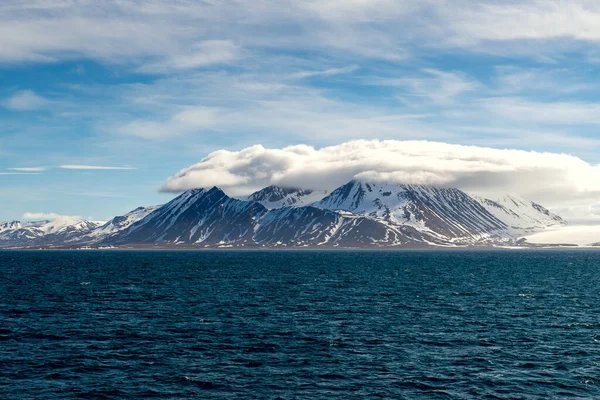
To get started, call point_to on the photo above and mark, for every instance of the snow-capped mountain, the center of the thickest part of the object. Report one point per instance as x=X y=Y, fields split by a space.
x=355 y=215
x=276 y=197
x=61 y=231
x=194 y=217
x=211 y=218
x=520 y=215
x=441 y=212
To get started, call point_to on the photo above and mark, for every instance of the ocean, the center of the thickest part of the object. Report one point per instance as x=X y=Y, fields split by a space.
x=299 y=324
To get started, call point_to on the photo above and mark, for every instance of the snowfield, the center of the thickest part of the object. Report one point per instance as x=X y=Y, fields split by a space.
x=580 y=235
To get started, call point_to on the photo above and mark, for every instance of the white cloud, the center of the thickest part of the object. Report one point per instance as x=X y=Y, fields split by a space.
x=25 y=100
x=159 y=36
x=532 y=19
x=555 y=180
x=43 y=215
x=95 y=167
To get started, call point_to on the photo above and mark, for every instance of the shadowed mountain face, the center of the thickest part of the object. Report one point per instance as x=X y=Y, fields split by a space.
x=196 y=217
x=358 y=214
x=311 y=226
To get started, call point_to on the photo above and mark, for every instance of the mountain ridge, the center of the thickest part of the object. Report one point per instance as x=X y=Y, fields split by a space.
x=359 y=214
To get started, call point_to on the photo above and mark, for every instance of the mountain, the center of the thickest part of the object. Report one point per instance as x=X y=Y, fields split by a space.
x=211 y=218
x=358 y=214
x=59 y=232
x=447 y=214
x=194 y=217
x=276 y=197
x=520 y=215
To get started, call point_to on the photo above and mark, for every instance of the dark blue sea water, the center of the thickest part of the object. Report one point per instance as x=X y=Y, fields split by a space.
x=299 y=325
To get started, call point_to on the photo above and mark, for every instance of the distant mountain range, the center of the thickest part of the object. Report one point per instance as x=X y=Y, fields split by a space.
x=358 y=214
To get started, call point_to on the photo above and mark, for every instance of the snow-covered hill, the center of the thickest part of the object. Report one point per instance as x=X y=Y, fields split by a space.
x=276 y=197
x=59 y=232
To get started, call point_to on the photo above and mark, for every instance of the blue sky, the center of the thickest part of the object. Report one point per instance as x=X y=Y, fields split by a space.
x=102 y=102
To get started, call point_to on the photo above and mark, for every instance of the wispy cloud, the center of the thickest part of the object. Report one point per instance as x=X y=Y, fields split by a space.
x=95 y=167
x=434 y=85
x=326 y=72
x=204 y=54
x=190 y=119
x=155 y=36
x=565 y=112
x=25 y=100
x=29 y=169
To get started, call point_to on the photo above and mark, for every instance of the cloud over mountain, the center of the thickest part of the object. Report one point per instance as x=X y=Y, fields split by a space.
x=559 y=180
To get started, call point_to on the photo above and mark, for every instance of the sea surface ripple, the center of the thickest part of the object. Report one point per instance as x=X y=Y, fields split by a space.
x=299 y=324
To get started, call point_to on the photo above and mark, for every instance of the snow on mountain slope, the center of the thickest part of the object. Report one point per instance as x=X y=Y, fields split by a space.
x=276 y=197
x=311 y=226
x=211 y=218
x=10 y=226
x=122 y=222
x=520 y=215
x=445 y=213
x=14 y=225
x=68 y=225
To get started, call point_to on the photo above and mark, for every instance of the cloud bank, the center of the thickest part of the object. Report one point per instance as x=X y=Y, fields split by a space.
x=553 y=179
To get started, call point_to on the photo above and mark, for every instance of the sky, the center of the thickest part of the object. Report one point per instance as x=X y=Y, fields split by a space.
x=109 y=105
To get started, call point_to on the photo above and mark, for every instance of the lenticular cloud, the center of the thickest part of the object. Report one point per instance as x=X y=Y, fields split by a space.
x=550 y=178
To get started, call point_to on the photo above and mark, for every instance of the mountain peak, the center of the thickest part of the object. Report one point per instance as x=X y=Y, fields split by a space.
x=441 y=211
